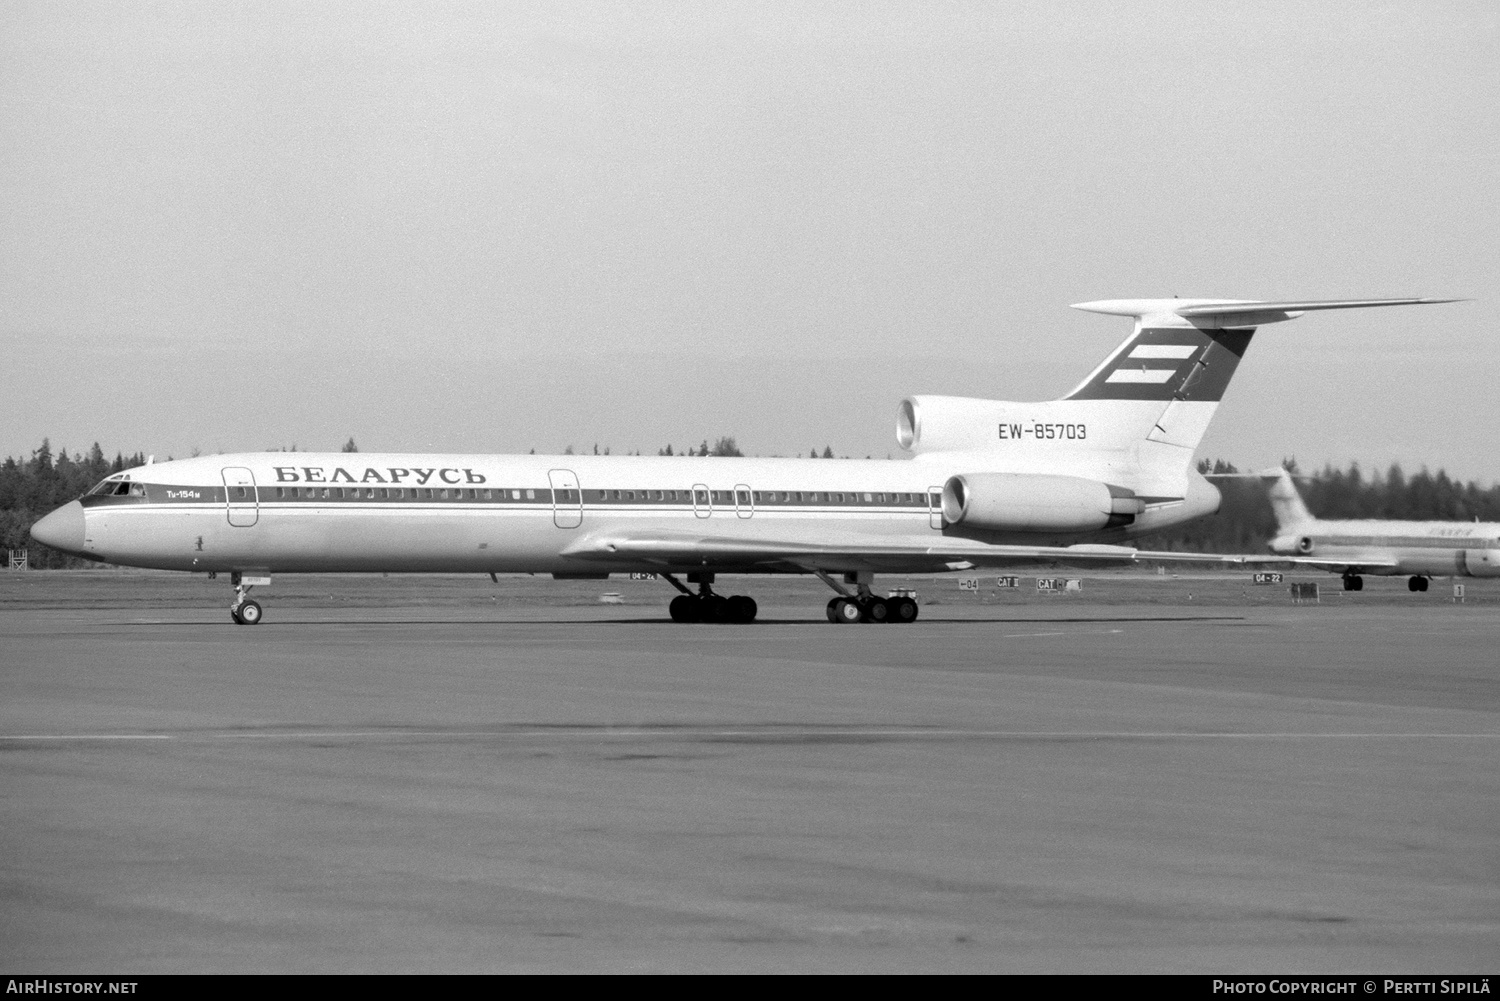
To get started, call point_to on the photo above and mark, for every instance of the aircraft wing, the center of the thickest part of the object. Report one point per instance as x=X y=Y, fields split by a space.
x=687 y=552
x=1339 y=566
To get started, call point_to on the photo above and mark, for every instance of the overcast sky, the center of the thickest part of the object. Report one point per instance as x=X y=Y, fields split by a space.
x=495 y=227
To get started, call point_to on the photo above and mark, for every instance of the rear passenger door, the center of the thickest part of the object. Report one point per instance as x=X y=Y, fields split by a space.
x=567 y=499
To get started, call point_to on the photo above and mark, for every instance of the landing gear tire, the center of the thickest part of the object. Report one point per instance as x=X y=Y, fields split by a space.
x=715 y=608
x=877 y=610
x=1354 y=582
x=1416 y=584
x=685 y=608
x=247 y=614
x=833 y=615
x=903 y=610
x=845 y=611
x=741 y=608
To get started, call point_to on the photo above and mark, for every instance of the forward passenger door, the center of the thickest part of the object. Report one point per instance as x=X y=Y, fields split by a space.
x=239 y=496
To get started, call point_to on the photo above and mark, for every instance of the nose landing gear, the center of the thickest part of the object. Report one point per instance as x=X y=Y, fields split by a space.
x=244 y=611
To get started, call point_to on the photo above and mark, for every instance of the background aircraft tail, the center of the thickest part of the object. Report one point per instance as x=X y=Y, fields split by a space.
x=1287 y=505
x=1286 y=502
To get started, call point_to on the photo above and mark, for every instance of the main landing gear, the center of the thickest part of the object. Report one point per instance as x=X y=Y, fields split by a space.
x=706 y=606
x=865 y=605
x=1354 y=582
x=244 y=611
x=1416 y=584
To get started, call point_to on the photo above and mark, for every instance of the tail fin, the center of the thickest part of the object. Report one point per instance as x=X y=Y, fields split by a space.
x=1183 y=352
x=1286 y=502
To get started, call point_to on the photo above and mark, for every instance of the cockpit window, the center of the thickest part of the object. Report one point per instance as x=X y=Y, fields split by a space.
x=114 y=488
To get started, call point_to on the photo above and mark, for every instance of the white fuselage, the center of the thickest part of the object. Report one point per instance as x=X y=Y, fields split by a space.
x=309 y=512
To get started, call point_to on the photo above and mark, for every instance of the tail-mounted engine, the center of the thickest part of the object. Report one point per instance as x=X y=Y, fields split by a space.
x=1026 y=502
x=948 y=423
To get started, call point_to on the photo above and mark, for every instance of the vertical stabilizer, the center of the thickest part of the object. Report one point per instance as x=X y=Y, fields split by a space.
x=1286 y=502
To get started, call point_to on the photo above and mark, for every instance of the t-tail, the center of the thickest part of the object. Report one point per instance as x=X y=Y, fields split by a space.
x=1286 y=502
x=1287 y=506
x=1134 y=423
x=1138 y=417
x=1179 y=359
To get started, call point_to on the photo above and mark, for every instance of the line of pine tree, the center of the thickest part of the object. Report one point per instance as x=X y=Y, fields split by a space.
x=29 y=488
x=1244 y=523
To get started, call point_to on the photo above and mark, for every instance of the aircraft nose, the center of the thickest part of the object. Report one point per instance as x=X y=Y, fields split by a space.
x=62 y=529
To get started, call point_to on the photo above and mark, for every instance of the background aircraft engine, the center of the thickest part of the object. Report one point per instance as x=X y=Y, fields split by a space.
x=1482 y=562
x=1024 y=502
x=1288 y=544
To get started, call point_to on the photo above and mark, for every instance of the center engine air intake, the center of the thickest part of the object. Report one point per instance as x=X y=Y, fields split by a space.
x=1026 y=502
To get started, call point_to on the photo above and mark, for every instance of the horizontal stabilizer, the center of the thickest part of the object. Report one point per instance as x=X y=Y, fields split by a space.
x=1229 y=309
x=1237 y=312
x=1269 y=473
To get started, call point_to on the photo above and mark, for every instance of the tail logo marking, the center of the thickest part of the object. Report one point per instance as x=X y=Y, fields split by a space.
x=1201 y=364
x=1178 y=351
x=1147 y=375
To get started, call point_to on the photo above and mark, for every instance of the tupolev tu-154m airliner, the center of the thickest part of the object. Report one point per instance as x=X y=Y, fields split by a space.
x=992 y=484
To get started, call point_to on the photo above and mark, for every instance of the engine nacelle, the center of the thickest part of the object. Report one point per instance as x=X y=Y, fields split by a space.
x=1286 y=545
x=1482 y=562
x=948 y=423
x=1026 y=502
